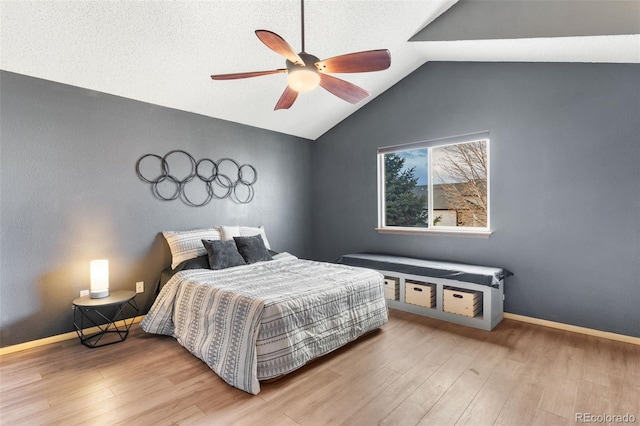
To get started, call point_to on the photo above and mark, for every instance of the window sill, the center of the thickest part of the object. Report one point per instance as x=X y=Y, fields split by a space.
x=420 y=231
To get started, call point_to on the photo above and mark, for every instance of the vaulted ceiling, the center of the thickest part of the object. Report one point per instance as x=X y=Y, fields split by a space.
x=163 y=52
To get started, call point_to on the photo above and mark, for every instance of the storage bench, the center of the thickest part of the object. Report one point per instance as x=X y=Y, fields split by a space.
x=465 y=294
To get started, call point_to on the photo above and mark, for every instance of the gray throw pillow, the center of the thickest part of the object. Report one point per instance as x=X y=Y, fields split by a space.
x=252 y=249
x=222 y=254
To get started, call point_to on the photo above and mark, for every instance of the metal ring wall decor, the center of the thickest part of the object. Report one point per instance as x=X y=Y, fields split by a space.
x=206 y=171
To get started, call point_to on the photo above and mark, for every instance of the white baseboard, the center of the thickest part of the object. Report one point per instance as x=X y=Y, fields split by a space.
x=575 y=329
x=58 y=338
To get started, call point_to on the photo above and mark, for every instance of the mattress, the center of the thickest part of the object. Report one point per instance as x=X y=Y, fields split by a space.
x=260 y=321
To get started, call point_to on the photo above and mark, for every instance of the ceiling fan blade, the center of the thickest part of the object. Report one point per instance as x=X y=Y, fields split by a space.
x=235 y=76
x=287 y=99
x=370 y=60
x=276 y=43
x=343 y=89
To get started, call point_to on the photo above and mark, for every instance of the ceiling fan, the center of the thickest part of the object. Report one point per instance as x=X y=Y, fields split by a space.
x=306 y=71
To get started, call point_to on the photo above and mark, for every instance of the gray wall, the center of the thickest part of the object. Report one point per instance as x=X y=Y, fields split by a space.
x=70 y=194
x=565 y=170
x=565 y=187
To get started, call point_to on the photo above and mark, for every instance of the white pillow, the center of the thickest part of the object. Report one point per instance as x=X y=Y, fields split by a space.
x=185 y=245
x=228 y=232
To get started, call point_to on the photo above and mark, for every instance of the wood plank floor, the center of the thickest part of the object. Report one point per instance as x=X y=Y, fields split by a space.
x=415 y=370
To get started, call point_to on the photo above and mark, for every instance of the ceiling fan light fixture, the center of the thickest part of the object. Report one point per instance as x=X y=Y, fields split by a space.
x=303 y=79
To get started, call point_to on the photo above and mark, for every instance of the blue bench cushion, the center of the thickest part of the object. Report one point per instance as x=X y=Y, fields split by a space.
x=484 y=275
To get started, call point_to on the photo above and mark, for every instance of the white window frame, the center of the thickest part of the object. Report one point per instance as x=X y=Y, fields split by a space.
x=430 y=144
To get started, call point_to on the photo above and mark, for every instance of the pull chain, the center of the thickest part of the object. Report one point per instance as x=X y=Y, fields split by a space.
x=302 y=19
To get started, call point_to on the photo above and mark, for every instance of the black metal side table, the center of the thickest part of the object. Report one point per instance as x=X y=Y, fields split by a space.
x=102 y=315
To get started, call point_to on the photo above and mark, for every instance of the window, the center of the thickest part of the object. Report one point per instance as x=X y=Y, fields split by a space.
x=440 y=185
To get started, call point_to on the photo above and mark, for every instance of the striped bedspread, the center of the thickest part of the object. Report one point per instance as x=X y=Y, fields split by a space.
x=260 y=321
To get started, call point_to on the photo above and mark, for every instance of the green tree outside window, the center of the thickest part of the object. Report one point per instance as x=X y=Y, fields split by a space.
x=402 y=206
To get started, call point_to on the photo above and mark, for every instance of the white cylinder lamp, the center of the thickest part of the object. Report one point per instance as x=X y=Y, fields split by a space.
x=99 y=279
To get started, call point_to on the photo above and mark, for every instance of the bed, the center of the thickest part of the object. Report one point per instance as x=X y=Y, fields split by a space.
x=259 y=321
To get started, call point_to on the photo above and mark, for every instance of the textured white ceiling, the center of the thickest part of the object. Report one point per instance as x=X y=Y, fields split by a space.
x=163 y=52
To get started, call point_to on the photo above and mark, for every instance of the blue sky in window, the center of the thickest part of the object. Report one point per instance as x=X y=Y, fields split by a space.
x=417 y=158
